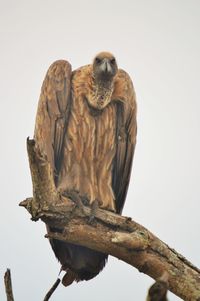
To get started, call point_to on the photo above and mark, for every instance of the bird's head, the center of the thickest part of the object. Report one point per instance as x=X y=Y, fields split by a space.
x=104 y=67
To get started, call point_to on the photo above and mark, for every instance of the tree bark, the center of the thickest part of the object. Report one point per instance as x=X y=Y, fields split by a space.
x=110 y=233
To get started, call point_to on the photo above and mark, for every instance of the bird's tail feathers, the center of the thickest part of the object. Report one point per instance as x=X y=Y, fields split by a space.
x=69 y=277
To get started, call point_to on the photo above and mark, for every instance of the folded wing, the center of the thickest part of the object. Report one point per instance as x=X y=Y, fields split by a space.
x=125 y=137
x=53 y=113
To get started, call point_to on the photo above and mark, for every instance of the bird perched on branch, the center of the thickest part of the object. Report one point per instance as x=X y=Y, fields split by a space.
x=86 y=126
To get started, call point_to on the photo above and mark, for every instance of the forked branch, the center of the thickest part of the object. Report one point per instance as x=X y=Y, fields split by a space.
x=113 y=234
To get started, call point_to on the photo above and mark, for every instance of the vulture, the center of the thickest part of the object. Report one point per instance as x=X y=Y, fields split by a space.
x=86 y=127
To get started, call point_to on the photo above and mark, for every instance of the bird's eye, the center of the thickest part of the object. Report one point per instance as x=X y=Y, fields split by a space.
x=98 y=60
x=112 y=61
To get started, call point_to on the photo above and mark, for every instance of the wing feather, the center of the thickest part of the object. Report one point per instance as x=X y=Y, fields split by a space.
x=53 y=112
x=125 y=137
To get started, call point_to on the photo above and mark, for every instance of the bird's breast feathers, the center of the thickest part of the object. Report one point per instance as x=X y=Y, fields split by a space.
x=89 y=149
x=90 y=141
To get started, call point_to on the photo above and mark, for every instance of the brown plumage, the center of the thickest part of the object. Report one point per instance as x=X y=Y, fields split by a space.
x=86 y=125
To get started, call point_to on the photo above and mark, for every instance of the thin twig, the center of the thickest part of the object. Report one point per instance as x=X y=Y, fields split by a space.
x=8 y=285
x=52 y=289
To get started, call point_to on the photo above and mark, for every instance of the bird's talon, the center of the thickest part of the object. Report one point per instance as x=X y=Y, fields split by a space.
x=75 y=197
x=91 y=220
x=94 y=207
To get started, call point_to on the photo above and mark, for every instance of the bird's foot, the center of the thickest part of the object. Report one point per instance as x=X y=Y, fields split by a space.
x=76 y=198
x=94 y=208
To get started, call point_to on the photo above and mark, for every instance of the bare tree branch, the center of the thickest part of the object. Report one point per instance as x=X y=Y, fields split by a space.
x=52 y=290
x=8 y=285
x=112 y=234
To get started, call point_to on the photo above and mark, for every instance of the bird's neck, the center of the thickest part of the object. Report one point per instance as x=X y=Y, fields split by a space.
x=103 y=90
x=103 y=83
x=103 y=86
x=101 y=93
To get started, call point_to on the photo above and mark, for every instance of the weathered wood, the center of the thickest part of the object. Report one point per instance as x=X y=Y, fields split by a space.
x=111 y=233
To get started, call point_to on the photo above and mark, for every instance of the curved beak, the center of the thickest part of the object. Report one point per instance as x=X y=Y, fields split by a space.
x=105 y=66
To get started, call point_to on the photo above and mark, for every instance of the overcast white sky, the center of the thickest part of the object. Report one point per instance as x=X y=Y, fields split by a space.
x=158 y=43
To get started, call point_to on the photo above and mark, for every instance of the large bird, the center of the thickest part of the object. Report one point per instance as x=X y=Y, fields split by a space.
x=86 y=126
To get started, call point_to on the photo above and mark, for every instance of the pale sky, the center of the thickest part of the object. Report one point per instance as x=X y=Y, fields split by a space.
x=158 y=43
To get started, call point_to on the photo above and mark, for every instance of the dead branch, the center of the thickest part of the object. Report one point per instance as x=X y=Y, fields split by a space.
x=52 y=290
x=112 y=234
x=8 y=285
